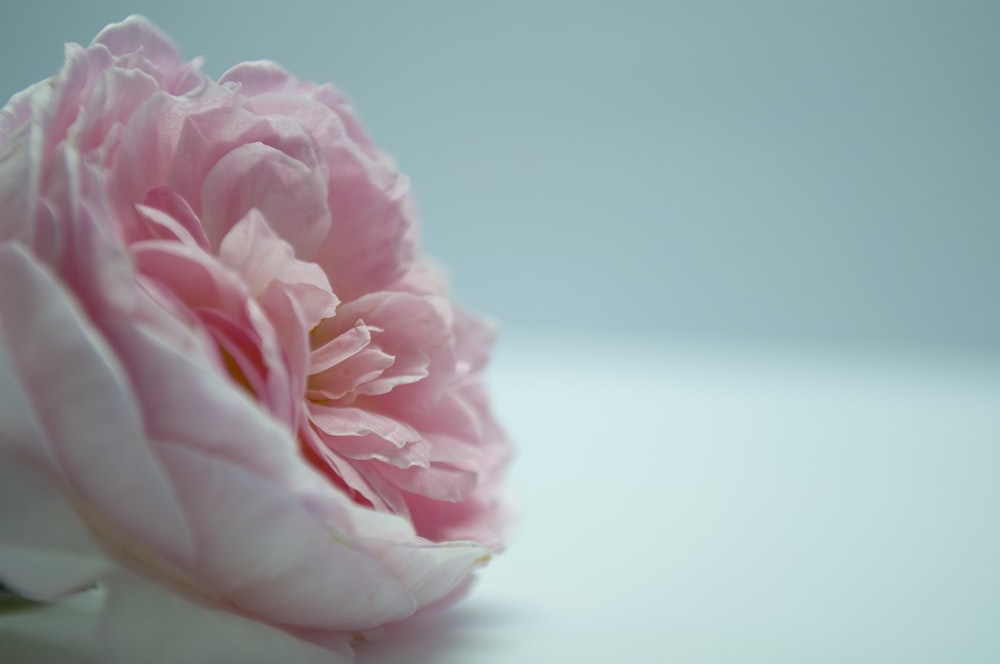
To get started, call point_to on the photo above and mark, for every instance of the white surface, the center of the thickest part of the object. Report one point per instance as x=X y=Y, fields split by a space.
x=724 y=507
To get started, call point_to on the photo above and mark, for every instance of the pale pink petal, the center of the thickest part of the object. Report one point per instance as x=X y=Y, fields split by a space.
x=15 y=116
x=296 y=570
x=20 y=168
x=172 y=207
x=217 y=419
x=416 y=331
x=260 y=76
x=117 y=94
x=158 y=141
x=344 y=378
x=290 y=320
x=260 y=256
x=430 y=571
x=345 y=421
x=362 y=435
x=202 y=136
x=439 y=481
x=286 y=191
x=474 y=339
x=240 y=346
x=274 y=90
x=485 y=519
x=72 y=83
x=354 y=479
x=88 y=411
x=453 y=421
x=340 y=348
x=45 y=551
x=142 y=622
x=411 y=368
x=371 y=241
x=136 y=35
x=22 y=432
x=221 y=300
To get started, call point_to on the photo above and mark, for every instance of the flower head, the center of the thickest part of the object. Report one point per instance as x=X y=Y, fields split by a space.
x=232 y=387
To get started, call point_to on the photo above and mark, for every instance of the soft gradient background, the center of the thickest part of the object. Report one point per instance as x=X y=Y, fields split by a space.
x=746 y=259
x=776 y=171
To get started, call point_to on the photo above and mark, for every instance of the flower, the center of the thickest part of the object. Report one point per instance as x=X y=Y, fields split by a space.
x=232 y=392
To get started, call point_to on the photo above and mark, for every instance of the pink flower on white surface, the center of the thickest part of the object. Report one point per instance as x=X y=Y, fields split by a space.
x=231 y=390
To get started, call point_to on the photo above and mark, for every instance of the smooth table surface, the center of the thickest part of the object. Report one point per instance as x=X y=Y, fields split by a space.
x=699 y=505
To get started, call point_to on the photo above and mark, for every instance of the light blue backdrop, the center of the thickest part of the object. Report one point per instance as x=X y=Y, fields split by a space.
x=785 y=172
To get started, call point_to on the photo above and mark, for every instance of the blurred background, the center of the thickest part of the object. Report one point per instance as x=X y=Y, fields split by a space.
x=778 y=173
x=745 y=256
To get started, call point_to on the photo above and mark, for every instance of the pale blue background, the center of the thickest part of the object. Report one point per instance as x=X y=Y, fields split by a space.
x=780 y=172
x=746 y=255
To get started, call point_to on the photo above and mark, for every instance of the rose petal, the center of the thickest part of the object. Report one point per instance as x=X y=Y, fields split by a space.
x=85 y=404
x=217 y=419
x=355 y=480
x=286 y=191
x=362 y=435
x=274 y=90
x=137 y=35
x=45 y=551
x=186 y=631
x=260 y=256
x=342 y=379
x=296 y=570
x=170 y=205
x=341 y=347
x=345 y=421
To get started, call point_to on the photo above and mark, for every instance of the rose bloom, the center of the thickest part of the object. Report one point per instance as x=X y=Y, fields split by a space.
x=232 y=393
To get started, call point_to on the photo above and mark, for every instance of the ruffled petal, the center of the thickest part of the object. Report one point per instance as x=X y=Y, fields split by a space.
x=285 y=190
x=272 y=89
x=137 y=33
x=261 y=257
x=365 y=435
x=137 y=36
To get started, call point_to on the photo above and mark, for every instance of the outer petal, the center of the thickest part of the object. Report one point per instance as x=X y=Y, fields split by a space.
x=45 y=551
x=263 y=550
x=266 y=78
x=189 y=404
x=136 y=35
x=433 y=571
x=116 y=95
x=17 y=112
x=20 y=165
x=430 y=571
x=189 y=632
x=84 y=403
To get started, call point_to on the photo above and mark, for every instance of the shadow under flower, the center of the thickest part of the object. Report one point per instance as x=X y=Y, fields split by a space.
x=462 y=633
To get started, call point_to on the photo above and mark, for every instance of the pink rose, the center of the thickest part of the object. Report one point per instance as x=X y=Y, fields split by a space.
x=231 y=391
